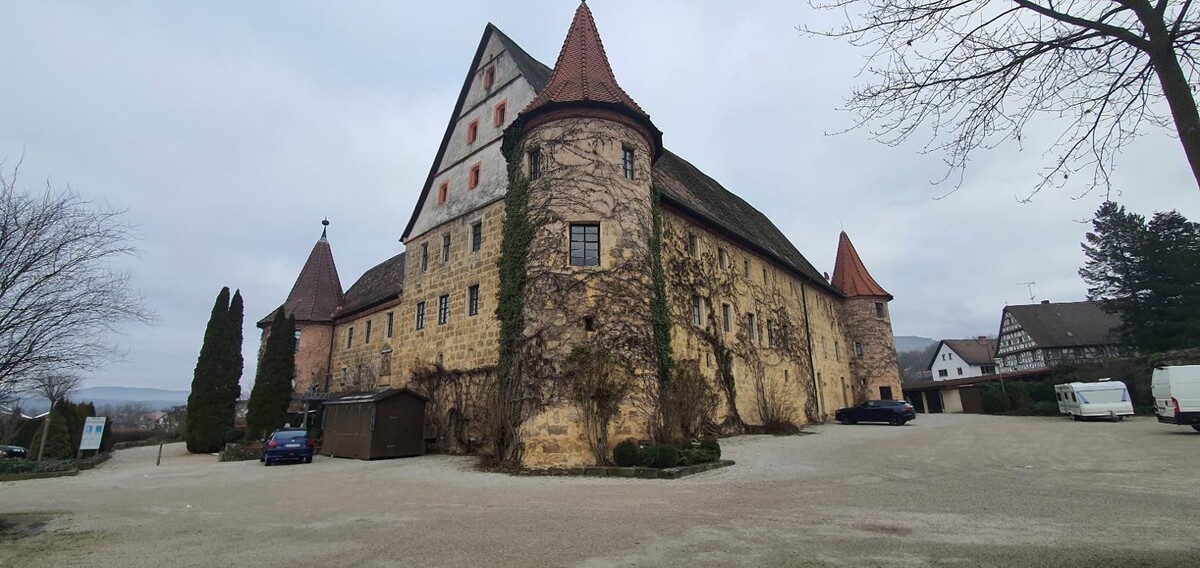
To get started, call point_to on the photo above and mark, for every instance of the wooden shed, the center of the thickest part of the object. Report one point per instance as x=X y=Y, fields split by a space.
x=373 y=425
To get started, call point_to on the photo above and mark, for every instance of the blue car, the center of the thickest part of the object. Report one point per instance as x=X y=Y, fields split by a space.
x=288 y=444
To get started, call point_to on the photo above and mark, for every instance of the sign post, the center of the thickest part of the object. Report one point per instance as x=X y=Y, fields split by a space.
x=93 y=429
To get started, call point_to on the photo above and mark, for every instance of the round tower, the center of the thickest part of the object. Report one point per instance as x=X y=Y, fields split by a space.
x=874 y=371
x=586 y=149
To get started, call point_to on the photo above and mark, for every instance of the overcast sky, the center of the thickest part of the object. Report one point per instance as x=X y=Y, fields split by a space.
x=228 y=130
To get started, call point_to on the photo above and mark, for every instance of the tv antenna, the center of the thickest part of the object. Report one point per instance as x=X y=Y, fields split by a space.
x=1029 y=287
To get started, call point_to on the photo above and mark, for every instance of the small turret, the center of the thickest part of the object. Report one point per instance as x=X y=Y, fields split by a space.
x=874 y=371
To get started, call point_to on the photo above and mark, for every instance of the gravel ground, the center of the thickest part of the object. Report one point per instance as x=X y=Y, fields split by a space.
x=945 y=490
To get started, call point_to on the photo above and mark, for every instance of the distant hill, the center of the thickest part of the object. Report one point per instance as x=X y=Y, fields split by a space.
x=156 y=399
x=912 y=343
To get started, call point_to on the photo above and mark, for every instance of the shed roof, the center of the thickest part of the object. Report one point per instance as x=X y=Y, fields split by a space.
x=375 y=396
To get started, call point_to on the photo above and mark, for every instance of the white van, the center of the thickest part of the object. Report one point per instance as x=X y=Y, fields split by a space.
x=1105 y=398
x=1177 y=395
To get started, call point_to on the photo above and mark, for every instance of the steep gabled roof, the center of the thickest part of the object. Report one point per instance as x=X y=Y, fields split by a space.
x=317 y=291
x=534 y=72
x=978 y=352
x=685 y=186
x=1067 y=324
x=382 y=283
x=850 y=274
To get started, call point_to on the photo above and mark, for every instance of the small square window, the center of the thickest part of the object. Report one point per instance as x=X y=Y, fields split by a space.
x=443 y=309
x=627 y=162
x=489 y=77
x=535 y=164
x=585 y=245
x=446 y=248
x=476 y=236
x=499 y=114
x=473 y=131
x=420 y=316
x=443 y=193
x=473 y=177
x=473 y=300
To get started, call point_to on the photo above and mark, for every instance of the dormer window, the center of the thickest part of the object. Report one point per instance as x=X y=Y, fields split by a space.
x=489 y=77
x=443 y=193
x=473 y=177
x=473 y=131
x=499 y=114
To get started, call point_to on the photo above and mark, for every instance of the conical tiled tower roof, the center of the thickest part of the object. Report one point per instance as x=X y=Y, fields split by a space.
x=851 y=276
x=583 y=77
x=317 y=291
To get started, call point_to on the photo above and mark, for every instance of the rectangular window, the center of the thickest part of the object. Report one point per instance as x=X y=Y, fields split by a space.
x=585 y=245
x=473 y=300
x=746 y=268
x=879 y=310
x=499 y=114
x=764 y=275
x=693 y=245
x=696 y=315
x=443 y=309
x=943 y=373
x=473 y=131
x=424 y=257
x=391 y=316
x=489 y=77
x=770 y=333
x=476 y=236
x=858 y=352
x=473 y=177
x=443 y=193
x=349 y=337
x=885 y=393
x=722 y=259
x=752 y=325
x=726 y=324
x=960 y=370
x=297 y=343
x=837 y=351
x=367 y=333
x=535 y=164
x=385 y=363
x=627 y=162
x=446 y=248
x=420 y=315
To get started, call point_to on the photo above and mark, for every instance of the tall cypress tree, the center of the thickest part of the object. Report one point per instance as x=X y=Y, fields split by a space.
x=272 y=392
x=231 y=372
x=205 y=429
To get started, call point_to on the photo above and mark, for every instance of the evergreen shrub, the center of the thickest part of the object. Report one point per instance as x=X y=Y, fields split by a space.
x=662 y=456
x=627 y=454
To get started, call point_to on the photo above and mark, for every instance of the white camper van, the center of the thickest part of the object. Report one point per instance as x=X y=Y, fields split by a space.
x=1177 y=395
x=1105 y=398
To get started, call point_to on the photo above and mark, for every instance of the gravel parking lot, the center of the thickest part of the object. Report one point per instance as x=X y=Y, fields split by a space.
x=945 y=490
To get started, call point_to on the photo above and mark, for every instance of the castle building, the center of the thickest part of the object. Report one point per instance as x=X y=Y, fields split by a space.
x=552 y=219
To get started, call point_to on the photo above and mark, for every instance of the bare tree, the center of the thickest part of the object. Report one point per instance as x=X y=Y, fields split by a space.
x=60 y=294
x=54 y=387
x=972 y=74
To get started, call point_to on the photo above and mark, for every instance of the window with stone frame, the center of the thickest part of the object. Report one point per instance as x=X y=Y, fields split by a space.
x=443 y=193
x=697 y=315
x=585 y=244
x=385 y=362
x=746 y=268
x=627 y=162
x=473 y=177
x=770 y=333
x=445 y=248
x=297 y=343
x=390 y=320
x=420 y=316
x=424 y=257
x=367 y=333
x=473 y=300
x=858 y=350
x=693 y=245
x=752 y=326
x=880 y=310
x=349 y=337
x=473 y=131
x=443 y=309
x=535 y=163
x=489 y=77
x=499 y=114
x=476 y=236
x=726 y=319
x=722 y=259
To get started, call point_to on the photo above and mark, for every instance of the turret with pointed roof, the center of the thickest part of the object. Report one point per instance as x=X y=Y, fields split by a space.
x=317 y=292
x=583 y=84
x=873 y=369
x=850 y=274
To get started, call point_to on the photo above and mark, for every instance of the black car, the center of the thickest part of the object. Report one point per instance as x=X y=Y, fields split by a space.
x=12 y=452
x=288 y=444
x=894 y=412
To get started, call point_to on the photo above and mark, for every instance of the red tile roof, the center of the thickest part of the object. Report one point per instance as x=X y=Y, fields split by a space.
x=851 y=276
x=582 y=72
x=317 y=291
